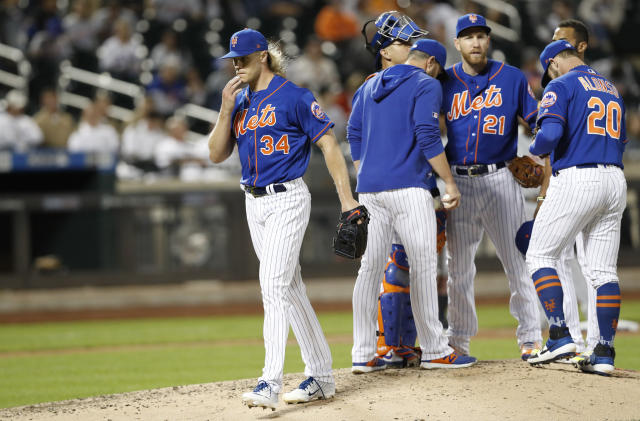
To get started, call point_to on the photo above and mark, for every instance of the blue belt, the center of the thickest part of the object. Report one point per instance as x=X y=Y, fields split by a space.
x=263 y=191
x=477 y=169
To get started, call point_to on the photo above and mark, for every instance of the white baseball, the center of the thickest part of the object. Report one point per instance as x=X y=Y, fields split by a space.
x=446 y=201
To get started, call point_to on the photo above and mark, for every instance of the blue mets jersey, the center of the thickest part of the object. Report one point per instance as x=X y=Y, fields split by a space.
x=274 y=129
x=481 y=113
x=393 y=129
x=591 y=112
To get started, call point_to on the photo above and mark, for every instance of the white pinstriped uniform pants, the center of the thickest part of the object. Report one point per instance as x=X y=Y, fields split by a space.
x=277 y=223
x=567 y=269
x=587 y=200
x=570 y=301
x=593 y=331
x=493 y=203
x=410 y=213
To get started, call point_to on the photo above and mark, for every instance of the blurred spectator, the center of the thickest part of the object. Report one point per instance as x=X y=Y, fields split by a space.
x=168 y=11
x=168 y=89
x=174 y=150
x=560 y=10
x=105 y=18
x=18 y=132
x=344 y=99
x=531 y=70
x=441 y=19
x=56 y=125
x=119 y=54
x=168 y=48
x=196 y=93
x=81 y=31
x=140 y=140
x=633 y=126
x=313 y=70
x=12 y=24
x=335 y=22
x=375 y=7
x=328 y=101
x=604 y=18
x=93 y=135
x=103 y=102
x=216 y=82
x=46 y=45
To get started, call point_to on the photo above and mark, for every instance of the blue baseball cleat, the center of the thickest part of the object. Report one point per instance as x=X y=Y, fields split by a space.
x=453 y=360
x=374 y=365
x=599 y=361
x=559 y=345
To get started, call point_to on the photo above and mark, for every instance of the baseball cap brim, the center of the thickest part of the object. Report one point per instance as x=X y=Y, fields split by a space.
x=486 y=29
x=234 y=54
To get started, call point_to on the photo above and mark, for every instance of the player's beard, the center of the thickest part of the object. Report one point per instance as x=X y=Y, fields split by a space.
x=475 y=59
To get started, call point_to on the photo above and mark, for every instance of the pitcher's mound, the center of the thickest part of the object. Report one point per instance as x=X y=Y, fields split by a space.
x=489 y=390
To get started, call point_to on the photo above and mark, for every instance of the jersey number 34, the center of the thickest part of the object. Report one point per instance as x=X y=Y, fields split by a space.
x=281 y=145
x=613 y=115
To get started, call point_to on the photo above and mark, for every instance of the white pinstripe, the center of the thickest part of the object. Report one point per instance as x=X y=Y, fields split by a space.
x=491 y=202
x=277 y=223
x=570 y=302
x=408 y=212
x=587 y=200
x=593 y=331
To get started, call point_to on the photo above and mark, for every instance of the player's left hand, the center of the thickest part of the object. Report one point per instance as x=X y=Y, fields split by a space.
x=451 y=198
x=526 y=171
x=349 y=204
x=350 y=240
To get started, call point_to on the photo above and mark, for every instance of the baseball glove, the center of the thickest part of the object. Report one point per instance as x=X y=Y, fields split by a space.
x=350 y=240
x=526 y=171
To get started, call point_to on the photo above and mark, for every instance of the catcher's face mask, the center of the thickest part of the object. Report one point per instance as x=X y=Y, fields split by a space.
x=391 y=26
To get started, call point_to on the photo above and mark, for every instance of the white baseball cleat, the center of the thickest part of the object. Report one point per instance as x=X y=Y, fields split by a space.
x=262 y=396
x=310 y=390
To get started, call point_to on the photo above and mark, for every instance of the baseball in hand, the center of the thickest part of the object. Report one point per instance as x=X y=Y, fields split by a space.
x=446 y=201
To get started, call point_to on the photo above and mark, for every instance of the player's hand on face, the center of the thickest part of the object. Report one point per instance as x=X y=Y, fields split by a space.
x=229 y=93
x=451 y=198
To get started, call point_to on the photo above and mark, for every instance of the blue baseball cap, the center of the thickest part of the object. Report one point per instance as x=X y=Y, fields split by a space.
x=523 y=236
x=245 y=42
x=549 y=52
x=433 y=48
x=471 y=20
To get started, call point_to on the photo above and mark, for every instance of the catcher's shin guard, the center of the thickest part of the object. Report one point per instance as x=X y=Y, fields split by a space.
x=395 y=318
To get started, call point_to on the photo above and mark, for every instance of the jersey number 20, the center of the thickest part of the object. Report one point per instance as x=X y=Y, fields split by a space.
x=613 y=116
x=281 y=145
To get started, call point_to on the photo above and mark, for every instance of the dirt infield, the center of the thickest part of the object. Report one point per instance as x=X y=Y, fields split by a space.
x=490 y=390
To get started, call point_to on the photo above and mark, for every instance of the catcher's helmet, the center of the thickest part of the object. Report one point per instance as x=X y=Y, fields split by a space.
x=391 y=26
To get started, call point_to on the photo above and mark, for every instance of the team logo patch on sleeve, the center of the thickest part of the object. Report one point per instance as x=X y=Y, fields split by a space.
x=317 y=112
x=434 y=114
x=548 y=99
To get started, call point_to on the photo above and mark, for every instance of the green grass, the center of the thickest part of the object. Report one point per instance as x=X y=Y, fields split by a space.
x=55 y=361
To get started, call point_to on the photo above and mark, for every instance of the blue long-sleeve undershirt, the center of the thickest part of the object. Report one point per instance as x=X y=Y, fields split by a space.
x=547 y=138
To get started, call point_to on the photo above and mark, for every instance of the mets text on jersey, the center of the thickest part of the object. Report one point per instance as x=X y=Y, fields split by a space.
x=267 y=118
x=492 y=98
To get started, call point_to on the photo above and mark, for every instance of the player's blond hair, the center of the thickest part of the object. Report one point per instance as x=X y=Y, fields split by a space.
x=277 y=59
